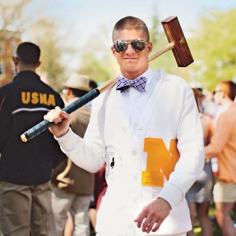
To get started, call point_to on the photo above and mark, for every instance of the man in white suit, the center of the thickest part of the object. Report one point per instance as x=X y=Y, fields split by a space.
x=147 y=131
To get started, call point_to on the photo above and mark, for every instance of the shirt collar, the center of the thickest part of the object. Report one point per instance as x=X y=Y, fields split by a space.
x=26 y=75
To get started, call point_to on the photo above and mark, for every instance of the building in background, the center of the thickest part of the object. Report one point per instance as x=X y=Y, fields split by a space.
x=8 y=43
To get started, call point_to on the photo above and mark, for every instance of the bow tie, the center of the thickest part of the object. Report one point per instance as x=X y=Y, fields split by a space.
x=139 y=84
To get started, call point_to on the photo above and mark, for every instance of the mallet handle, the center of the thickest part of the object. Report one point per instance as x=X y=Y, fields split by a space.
x=162 y=51
x=43 y=125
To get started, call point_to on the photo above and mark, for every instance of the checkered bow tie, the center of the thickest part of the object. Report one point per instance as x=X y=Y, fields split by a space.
x=139 y=84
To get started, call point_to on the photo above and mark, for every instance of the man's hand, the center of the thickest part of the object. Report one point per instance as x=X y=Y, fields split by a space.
x=153 y=214
x=61 y=121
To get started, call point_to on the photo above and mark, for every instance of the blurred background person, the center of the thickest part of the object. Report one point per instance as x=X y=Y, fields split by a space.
x=25 y=168
x=209 y=107
x=200 y=194
x=99 y=191
x=223 y=146
x=73 y=186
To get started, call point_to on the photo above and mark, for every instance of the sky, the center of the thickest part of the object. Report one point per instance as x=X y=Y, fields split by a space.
x=80 y=20
x=84 y=17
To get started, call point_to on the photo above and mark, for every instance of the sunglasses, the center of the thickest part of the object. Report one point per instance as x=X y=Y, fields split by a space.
x=122 y=45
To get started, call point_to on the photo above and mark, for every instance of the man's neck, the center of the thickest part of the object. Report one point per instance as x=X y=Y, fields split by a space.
x=26 y=68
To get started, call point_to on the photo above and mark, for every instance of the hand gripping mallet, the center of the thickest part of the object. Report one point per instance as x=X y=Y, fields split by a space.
x=179 y=47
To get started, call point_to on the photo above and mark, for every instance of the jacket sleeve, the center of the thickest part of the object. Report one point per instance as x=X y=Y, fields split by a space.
x=57 y=154
x=5 y=120
x=191 y=149
x=89 y=152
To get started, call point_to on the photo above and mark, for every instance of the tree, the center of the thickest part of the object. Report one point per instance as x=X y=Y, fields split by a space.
x=214 y=48
x=158 y=38
x=44 y=34
x=12 y=14
x=97 y=60
x=15 y=19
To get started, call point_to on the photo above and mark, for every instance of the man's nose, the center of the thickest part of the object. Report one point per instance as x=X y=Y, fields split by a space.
x=129 y=49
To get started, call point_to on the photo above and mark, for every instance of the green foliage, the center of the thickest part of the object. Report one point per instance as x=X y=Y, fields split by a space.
x=94 y=67
x=97 y=60
x=159 y=41
x=13 y=16
x=214 y=48
x=45 y=35
x=10 y=17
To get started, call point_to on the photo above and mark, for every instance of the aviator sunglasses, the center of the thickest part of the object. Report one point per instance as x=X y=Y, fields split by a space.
x=122 y=45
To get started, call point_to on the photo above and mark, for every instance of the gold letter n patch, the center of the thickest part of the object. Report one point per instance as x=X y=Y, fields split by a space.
x=160 y=161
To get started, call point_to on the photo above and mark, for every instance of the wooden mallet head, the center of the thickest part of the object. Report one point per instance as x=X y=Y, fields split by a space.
x=177 y=42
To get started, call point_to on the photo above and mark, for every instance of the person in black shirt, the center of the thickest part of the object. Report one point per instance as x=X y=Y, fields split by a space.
x=25 y=168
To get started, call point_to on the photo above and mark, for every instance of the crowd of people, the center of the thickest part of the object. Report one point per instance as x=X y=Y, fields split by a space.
x=216 y=185
x=137 y=161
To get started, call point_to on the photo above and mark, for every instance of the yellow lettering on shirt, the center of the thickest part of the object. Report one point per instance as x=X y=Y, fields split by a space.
x=25 y=97
x=36 y=98
x=160 y=162
x=43 y=98
x=51 y=100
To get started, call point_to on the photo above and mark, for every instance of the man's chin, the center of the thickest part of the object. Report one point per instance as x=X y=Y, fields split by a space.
x=131 y=67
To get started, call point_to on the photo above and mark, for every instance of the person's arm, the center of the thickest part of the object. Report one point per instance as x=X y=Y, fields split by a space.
x=88 y=153
x=210 y=129
x=220 y=136
x=5 y=121
x=187 y=169
x=191 y=148
x=57 y=155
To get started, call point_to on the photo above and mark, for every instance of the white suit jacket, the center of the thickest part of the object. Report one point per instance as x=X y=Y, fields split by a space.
x=162 y=156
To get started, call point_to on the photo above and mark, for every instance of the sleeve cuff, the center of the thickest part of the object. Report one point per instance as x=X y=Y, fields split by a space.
x=61 y=138
x=68 y=140
x=172 y=194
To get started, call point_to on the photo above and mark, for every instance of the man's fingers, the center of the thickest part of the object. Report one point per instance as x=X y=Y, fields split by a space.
x=156 y=226
x=64 y=114
x=57 y=108
x=140 y=218
x=147 y=222
x=56 y=115
x=52 y=115
x=147 y=225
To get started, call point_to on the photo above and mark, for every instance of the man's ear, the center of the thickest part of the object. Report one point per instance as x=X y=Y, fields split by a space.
x=15 y=60
x=113 y=50
x=149 y=46
x=38 y=64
